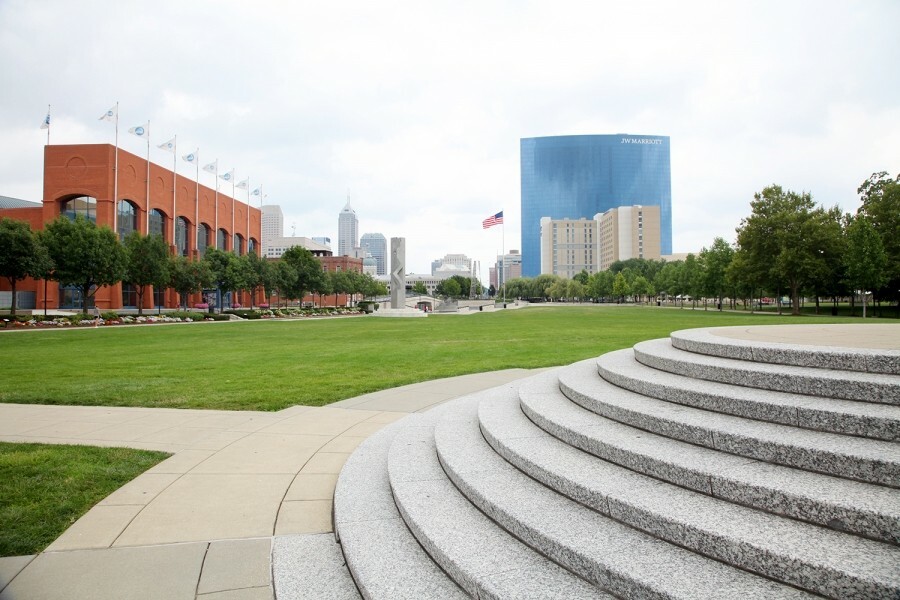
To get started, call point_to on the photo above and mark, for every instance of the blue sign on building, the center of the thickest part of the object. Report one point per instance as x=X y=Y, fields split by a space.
x=578 y=176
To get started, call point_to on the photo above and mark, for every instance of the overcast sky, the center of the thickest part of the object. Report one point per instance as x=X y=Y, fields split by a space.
x=416 y=108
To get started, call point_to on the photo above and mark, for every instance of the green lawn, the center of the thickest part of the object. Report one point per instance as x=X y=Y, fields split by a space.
x=44 y=489
x=269 y=365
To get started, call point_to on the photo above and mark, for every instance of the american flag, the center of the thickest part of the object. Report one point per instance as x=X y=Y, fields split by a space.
x=493 y=220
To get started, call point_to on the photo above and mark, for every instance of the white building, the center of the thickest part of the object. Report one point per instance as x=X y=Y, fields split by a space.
x=280 y=245
x=455 y=262
x=272 y=225
x=348 y=231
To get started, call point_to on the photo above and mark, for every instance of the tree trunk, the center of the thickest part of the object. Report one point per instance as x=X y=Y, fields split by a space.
x=139 y=291
x=12 y=306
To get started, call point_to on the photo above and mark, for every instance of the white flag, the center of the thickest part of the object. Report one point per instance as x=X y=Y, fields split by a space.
x=255 y=192
x=46 y=123
x=243 y=185
x=140 y=130
x=191 y=158
x=212 y=167
x=168 y=146
x=111 y=115
x=228 y=176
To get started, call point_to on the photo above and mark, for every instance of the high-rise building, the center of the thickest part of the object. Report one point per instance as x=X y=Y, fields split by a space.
x=325 y=241
x=348 y=231
x=574 y=177
x=569 y=246
x=375 y=244
x=272 y=225
x=508 y=266
x=629 y=232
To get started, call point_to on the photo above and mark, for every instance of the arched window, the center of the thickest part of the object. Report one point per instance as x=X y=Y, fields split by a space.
x=82 y=205
x=222 y=240
x=203 y=238
x=181 y=236
x=238 y=244
x=127 y=219
x=157 y=223
x=251 y=246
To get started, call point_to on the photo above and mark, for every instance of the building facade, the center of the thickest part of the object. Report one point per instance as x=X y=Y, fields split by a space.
x=375 y=245
x=82 y=180
x=508 y=266
x=629 y=232
x=575 y=177
x=455 y=262
x=348 y=231
x=278 y=246
x=569 y=246
x=272 y=225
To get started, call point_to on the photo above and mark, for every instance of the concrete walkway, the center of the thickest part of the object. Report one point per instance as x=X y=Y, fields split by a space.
x=200 y=525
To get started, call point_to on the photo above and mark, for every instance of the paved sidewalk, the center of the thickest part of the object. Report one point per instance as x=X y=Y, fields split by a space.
x=200 y=524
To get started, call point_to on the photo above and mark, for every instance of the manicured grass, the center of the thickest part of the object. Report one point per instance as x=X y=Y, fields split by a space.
x=44 y=489
x=269 y=365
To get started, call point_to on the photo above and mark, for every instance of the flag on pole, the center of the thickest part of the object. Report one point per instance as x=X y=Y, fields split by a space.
x=256 y=192
x=227 y=176
x=111 y=115
x=190 y=158
x=168 y=146
x=493 y=220
x=212 y=167
x=243 y=185
x=45 y=124
x=140 y=130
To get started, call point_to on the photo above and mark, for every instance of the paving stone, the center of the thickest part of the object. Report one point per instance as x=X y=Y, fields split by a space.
x=310 y=567
x=235 y=564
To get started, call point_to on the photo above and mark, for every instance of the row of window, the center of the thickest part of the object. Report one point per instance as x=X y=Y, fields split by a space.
x=127 y=221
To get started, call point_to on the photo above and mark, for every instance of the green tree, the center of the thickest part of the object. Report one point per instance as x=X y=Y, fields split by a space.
x=715 y=261
x=258 y=274
x=620 y=286
x=641 y=287
x=575 y=289
x=582 y=277
x=188 y=276
x=690 y=279
x=85 y=256
x=370 y=287
x=866 y=259
x=21 y=254
x=667 y=279
x=226 y=274
x=419 y=288
x=789 y=241
x=305 y=273
x=601 y=284
x=557 y=290
x=146 y=263
x=880 y=197
x=449 y=288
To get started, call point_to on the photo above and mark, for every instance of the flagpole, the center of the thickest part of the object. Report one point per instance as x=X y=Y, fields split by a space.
x=196 y=203
x=248 y=216
x=174 y=183
x=503 y=250
x=232 y=211
x=116 y=177
x=147 y=216
x=216 y=232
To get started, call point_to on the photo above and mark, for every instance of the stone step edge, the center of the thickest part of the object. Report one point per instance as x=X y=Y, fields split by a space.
x=846 y=417
x=848 y=572
x=846 y=385
x=669 y=460
x=866 y=460
x=625 y=561
x=483 y=559
x=705 y=341
x=365 y=516
x=310 y=566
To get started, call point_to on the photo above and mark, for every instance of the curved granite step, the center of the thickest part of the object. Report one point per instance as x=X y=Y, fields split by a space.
x=873 y=461
x=480 y=556
x=847 y=385
x=384 y=558
x=822 y=561
x=865 y=509
x=711 y=342
x=618 y=558
x=849 y=417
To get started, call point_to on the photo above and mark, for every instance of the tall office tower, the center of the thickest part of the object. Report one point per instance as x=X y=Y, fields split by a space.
x=578 y=176
x=375 y=244
x=629 y=232
x=272 y=225
x=508 y=266
x=348 y=230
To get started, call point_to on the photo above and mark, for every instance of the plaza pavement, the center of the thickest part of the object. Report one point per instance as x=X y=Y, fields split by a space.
x=200 y=525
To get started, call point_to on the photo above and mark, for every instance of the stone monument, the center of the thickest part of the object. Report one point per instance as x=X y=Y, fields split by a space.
x=398 y=273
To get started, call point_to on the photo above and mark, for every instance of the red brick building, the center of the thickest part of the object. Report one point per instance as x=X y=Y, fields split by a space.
x=81 y=179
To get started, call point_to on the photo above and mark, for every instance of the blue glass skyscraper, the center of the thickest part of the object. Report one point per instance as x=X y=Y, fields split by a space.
x=575 y=176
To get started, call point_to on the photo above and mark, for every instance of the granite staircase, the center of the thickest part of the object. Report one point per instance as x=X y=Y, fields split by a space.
x=691 y=467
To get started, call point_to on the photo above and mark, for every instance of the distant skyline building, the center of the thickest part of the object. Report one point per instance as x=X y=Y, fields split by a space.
x=325 y=241
x=579 y=176
x=508 y=266
x=375 y=244
x=569 y=246
x=452 y=262
x=278 y=246
x=272 y=225
x=348 y=231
